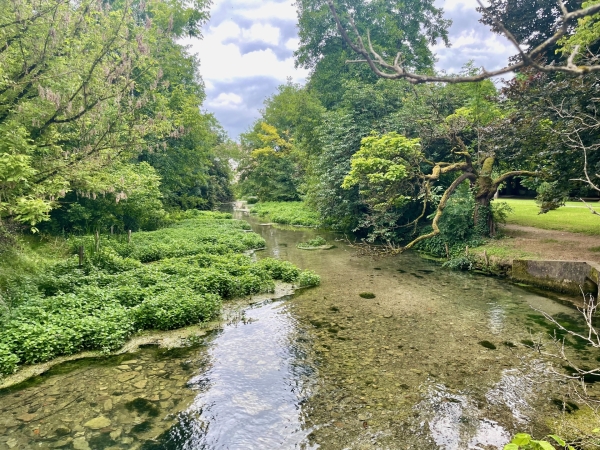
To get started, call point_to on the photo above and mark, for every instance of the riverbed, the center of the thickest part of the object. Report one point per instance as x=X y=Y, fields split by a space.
x=436 y=360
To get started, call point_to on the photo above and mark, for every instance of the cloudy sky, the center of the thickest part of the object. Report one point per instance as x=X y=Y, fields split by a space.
x=248 y=45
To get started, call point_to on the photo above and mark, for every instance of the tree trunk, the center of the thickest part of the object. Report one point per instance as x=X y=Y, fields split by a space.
x=485 y=189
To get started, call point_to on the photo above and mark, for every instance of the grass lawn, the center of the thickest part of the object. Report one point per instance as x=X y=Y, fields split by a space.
x=574 y=217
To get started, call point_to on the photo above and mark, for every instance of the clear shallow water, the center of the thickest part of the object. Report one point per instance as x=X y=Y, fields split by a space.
x=324 y=369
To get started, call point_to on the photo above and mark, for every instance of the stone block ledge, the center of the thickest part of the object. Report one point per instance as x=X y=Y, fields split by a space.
x=569 y=277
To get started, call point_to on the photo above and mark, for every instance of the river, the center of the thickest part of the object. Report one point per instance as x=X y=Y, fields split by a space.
x=413 y=368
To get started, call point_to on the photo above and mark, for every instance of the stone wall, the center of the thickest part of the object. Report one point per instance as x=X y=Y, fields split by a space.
x=562 y=276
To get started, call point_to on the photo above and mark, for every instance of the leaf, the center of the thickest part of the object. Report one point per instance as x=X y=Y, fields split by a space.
x=521 y=439
x=558 y=439
x=545 y=445
x=511 y=447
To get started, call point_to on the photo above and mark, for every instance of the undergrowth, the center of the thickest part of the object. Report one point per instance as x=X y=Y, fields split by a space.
x=163 y=279
x=287 y=213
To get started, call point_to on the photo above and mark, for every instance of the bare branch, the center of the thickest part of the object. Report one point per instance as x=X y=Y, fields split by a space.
x=396 y=70
x=517 y=173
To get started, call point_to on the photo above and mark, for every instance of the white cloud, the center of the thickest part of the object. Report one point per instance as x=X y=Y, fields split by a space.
x=226 y=100
x=292 y=44
x=248 y=44
x=261 y=32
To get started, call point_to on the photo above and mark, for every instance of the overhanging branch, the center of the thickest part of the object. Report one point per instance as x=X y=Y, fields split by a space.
x=395 y=70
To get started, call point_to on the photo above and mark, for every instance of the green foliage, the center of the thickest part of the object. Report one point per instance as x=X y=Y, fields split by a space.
x=287 y=213
x=94 y=118
x=269 y=169
x=62 y=308
x=550 y=196
x=280 y=270
x=523 y=441
x=457 y=230
x=408 y=27
x=308 y=278
x=316 y=242
x=8 y=360
x=384 y=169
x=175 y=308
x=586 y=33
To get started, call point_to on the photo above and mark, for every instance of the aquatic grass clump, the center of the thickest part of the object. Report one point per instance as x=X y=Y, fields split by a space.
x=367 y=295
x=288 y=213
x=313 y=243
x=163 y=279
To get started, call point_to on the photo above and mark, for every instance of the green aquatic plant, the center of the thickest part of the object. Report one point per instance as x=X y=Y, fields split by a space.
x=308 y=278
x=316 y=242
x=523 y=441
x=163 y=279
x=367 y=295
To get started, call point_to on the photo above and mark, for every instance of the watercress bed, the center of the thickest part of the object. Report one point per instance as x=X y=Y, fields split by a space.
x=162 y=279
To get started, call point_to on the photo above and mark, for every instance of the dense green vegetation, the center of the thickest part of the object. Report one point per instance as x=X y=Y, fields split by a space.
x=287 y=213
x=162 y=279
x=100 y=120
x=404 y=164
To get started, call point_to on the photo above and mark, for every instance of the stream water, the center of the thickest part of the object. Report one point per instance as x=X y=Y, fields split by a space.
x=437 y=360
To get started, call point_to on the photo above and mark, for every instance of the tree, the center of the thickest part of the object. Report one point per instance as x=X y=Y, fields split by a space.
x=365 y=44
x=268 y=171
x=87 y=87
x=406 y=26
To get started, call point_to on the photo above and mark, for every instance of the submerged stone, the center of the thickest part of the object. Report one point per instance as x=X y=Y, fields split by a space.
x=487 y=344
x=368 y=295
x=98 y=423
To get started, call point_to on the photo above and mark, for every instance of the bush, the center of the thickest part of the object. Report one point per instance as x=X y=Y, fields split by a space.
x=457 y=228
x=176 y=308
x=8 y=360
x=308 y=278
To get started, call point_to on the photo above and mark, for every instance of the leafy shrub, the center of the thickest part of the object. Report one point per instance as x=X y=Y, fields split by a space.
x=8 y=360
x=308 y=278
x=176 y=308
x=523 y=441
x=280 y=270
x=457 y=228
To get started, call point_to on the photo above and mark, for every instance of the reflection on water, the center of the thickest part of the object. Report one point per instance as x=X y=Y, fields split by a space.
x=250 y=397
x=454 y=422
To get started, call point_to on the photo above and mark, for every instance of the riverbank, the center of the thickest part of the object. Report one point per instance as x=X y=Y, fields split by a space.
x=523 y=242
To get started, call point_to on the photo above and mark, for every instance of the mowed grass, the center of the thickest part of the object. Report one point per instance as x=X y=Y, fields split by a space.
x=574 y=217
